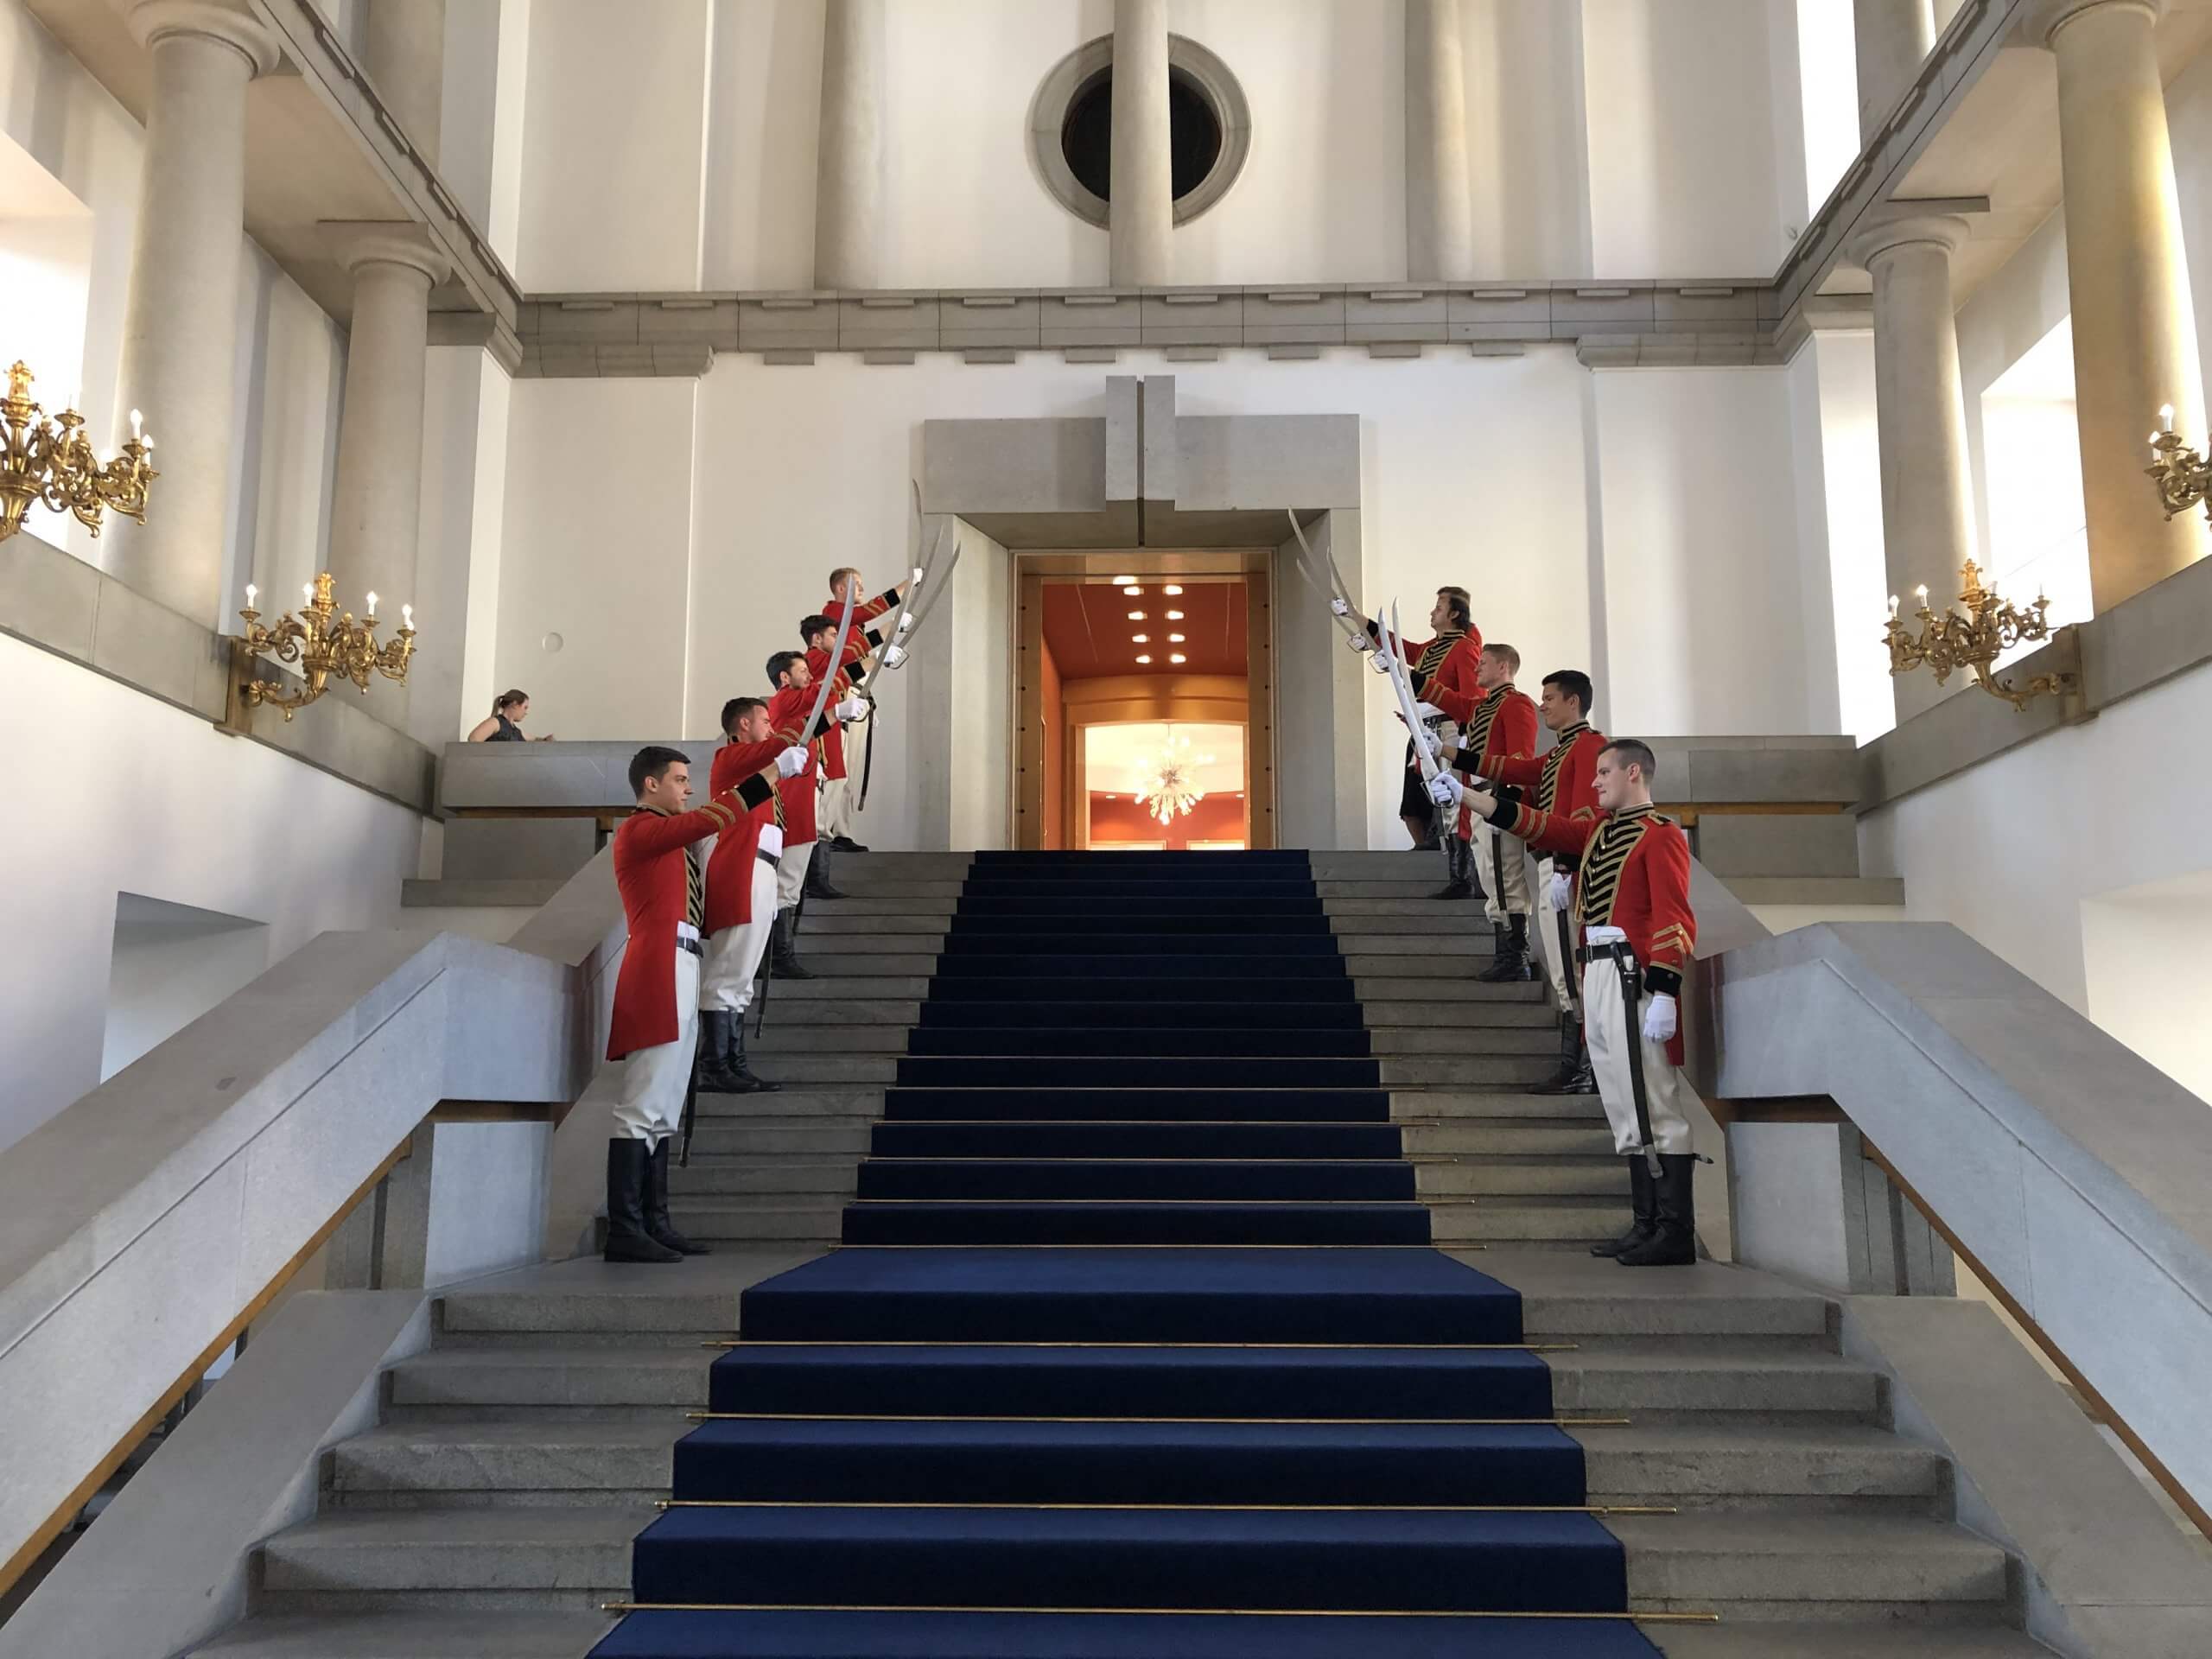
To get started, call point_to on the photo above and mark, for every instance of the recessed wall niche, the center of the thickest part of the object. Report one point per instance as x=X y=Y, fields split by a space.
x=1071 y=125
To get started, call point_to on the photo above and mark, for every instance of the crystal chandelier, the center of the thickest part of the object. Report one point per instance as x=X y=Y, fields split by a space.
x=1167 y=785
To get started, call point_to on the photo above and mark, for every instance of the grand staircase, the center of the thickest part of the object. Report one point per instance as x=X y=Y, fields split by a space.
x=1207 y=1288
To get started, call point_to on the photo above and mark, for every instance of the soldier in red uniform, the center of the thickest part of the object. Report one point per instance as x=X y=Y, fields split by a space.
x=1632 y=899
x=741 y=898
x=1503 y=722
x=1563 y=780
x=1444 y=674
x=657 y=993
x=837 y=804
x=788 y=707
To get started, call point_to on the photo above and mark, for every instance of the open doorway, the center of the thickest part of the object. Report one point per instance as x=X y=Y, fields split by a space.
x=1145 y=694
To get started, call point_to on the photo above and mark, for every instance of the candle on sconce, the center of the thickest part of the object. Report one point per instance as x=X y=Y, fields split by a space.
x=138 y=427
x=1893 y=608
x=307 y=592
x=372 y=606
x=1921 y=594
x=407 y=616
x=2166 y=417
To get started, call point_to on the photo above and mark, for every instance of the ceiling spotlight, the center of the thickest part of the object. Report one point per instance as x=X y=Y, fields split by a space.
x=1146 y=638
x=1170 y=590
x=1176 y=656
x=1133 y=593
x=1144 y=659
x=1174 y=616
x=1174 y=638
x=1124 y=581
x=1137 y=616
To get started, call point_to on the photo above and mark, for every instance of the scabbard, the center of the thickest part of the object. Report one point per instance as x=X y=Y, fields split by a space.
x=689 y=1119
x=867 y=761
x=1631 y=1000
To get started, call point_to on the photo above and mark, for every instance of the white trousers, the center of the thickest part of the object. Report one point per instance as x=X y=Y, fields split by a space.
x=790 y=874
x=654 y=1079
x=733 y=955
x=1604 y=1019
x=1559 y=964
x=1447 y=814
x=1510 y=859
x=833 y=809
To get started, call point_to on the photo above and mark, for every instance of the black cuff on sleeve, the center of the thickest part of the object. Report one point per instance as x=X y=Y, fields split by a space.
x=755 y=790
x=1505 y=815
x=1509 y=794
x=1662 y=982
x=1375 y=631
x=872 y=638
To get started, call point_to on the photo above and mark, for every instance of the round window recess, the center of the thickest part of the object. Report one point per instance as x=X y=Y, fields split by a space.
x=1071 y=128
x=552 y=643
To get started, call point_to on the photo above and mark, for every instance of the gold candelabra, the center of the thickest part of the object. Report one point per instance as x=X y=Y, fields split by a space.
x=2184 y=478
x=51 y=461
x=322 y=641
x=1990 y=627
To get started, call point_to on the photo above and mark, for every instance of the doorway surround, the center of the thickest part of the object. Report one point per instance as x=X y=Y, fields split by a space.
x=1152 y=486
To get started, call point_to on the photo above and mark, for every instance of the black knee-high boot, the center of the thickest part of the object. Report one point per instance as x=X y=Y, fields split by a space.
x=1561 y=1082
x=818 y=874
x=628 y=1162
x=1512 y=964
x=783 y=949
x=1459 y=860
x=713 y=1071
x=1674 y=1241
x=658 y=1227
x=1644 y=1208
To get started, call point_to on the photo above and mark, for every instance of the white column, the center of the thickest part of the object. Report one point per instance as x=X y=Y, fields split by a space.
x=1920 y=416
x=2134 y=335
x=376 y=501
x=1440 y=205
x=403 y=48
x=1141 y=207
x=180 y=338
x=1893 y=38
x=848 y=166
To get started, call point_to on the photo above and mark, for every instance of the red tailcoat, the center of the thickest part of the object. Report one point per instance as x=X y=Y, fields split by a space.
x=729 y=869
x=787 y=711
x=858 y=644
x=654 y=877
x=1565 y=779
x=1634 y=875
x=1444 y=671
x=1503 y=722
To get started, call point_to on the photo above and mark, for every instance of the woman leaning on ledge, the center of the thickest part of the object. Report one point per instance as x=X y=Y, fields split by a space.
x=504 y=725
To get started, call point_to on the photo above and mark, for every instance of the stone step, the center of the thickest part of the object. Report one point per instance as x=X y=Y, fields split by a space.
x=792 y=1217
x=1514 y=1071
x=1421 y=888
x=828 y=1103
x=1841 y=1468
x=740 y=1135
x=1476 y=1138
x=669 y=1378
x=553 y=1305
x=1534 y=1218
x=449 y=1635
x=1433 y=1013
x=754 y=1179
x=849 y=985
x=1349 y=865
x=848 y=973
x=1521 y=1039
x=1405 y=980
x=841 y=953
x=864 y=1009
x=827 y=1036
x=1867 y=1569
x=1593 y=1302
x=1713 y=1380
x=1794 y=1640
x=543 y=1557
x=884 y=904
x=880 y=926
x=1375 y=943
x=1443 y=960
x=1458 y=913
x=1451 y=1105
x=1417 y=931
x=816 y=1071
x=429 y=1466
x=1598 y=1178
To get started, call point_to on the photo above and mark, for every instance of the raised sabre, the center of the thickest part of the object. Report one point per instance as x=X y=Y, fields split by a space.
x=1394 y=662
x=920 y=573
x=937 y=584
x=1330 y=596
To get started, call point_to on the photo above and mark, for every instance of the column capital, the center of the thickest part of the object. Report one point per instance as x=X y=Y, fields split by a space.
x=2040 y=20
x=1899 y=226
x=357 y=242
x=225 y=21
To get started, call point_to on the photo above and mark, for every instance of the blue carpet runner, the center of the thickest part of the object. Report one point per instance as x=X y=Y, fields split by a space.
x=1137 y=1348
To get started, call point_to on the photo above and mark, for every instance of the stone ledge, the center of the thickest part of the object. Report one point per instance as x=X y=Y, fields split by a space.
x=59 y=603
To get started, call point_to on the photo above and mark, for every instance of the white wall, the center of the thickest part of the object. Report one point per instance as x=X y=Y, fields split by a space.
x=193 y=818
x=2149 y=983
x=609 y=575
x=1839 y=529
x=1705 y=606
x=291 y=357
x=170 y=965
x=456 y=592
x=1669 y=108
x=2010 y=850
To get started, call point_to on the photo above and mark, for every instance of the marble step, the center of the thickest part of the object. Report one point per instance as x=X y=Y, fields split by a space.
x=428 y=1466
x=1451 y=1105
x=1507 y=1176
x=554 y=1557
x=1714 y=1381
x=1535 y=1219
x=447 y=1635
x=1432 y=1014
x=1401 y=979
x=1839 y=1467
x=1478 y=1138
x=749 y=1178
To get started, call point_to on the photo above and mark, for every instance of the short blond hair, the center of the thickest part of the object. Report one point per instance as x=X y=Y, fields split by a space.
x=837 y=580
x=1505 y=654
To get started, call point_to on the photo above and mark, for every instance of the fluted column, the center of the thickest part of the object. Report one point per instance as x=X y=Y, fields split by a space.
x=403 y=48
x=376 y=501
x=1440 y=205
x=180 y=335
x=849 y=159
x=1893 y=38
x=2134 y=334
x=1140 y=206
x=1920 y=417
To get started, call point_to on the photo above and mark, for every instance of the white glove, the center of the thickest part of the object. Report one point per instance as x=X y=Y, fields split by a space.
x=1429 y=711
x=1659 y=1020
x=1359 y=642
x=1428 y=742
x=1562 y=890
x=1382 y=664
x=790 y=762
x=1339 y=608
x=893 y=654
x=906 y=621
x=1446 y=790
x=851 y=709
x=918 y=574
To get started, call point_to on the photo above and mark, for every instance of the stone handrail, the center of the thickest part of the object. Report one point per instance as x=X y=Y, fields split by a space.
x=2077 y=1177
x=142 y=1226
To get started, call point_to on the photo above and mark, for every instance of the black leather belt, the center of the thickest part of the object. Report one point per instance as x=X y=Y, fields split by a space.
x=766 y=857
x=1617 y=950
x=692 y=946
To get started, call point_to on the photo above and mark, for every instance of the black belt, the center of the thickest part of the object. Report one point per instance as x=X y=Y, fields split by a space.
x=1617 y=950
x=692 y=946
x=766 y=857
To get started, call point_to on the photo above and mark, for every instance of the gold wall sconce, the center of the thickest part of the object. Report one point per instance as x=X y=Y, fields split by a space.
x=323 y=642
x=1949 y=641
x=50 y=463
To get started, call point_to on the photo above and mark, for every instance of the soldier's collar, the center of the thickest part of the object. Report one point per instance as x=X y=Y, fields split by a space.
x=1643 y=810
x=1573 y=731
x=657 y=812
